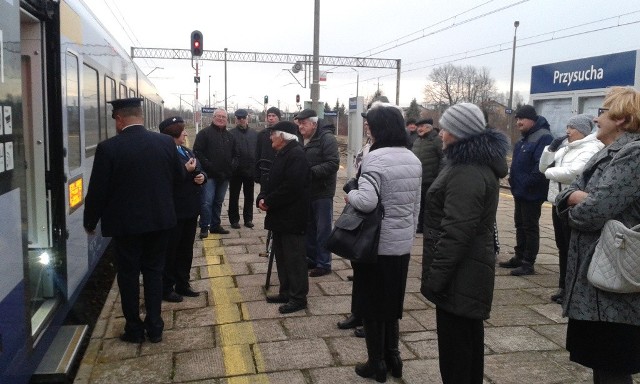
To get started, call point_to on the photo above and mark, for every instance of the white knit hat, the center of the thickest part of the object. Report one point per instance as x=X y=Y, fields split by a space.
x=463 y=120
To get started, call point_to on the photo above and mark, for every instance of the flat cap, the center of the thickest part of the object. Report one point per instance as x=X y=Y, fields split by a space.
x=131 y=102
x=241 y=113
x=425 y=121
x=285 y=126
x=306 y=113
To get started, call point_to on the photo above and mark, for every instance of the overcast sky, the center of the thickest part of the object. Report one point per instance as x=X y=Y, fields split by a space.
x=422 y=33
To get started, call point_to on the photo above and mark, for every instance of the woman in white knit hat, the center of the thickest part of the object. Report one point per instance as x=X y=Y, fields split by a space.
x=561 y=162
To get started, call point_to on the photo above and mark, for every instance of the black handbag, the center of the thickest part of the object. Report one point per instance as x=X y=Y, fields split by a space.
x=355 y=234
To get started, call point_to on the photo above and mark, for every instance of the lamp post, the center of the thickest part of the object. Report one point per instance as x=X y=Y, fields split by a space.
x=209 y=102
x=357 y=80
x=513 y=63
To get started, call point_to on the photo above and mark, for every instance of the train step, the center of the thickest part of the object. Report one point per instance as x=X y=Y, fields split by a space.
x=57 y=362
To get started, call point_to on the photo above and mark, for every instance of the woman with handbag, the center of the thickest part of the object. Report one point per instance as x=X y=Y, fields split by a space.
x=561 y=162
x=603 y=332
x=378 y=288
x=458 y=262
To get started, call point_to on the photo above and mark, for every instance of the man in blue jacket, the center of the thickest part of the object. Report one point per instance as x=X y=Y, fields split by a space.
x=529 y=188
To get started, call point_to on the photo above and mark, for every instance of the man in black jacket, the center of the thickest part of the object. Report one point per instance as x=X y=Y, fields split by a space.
x=242 y=177
x=285 y=198
x=264 y=152
x=321 y=151
x=216 y=150
x=131 y=194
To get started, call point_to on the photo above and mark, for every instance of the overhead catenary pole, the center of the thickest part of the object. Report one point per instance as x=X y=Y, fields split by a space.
x=513 y=64
x=315 y=85
x=225 y=79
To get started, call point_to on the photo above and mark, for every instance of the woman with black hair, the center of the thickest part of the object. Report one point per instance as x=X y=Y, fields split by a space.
x=378 y=288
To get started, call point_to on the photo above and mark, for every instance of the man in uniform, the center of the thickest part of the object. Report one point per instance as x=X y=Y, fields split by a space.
x=131 y=193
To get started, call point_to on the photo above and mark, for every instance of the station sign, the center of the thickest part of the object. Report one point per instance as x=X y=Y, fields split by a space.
x=353 y=103
x=617 y=69
x=331 y=113
x=208 y=110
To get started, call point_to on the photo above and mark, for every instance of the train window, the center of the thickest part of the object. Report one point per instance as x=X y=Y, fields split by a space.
x=73 y=111
x=123 y=91
x=91 y=105
x=132 y=92
x=110 y=93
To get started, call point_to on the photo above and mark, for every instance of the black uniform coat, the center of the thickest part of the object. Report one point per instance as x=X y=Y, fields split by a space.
x=131 y=185
x=324 y=161
x=287 y=192
x=187 y=194
x=246 y=144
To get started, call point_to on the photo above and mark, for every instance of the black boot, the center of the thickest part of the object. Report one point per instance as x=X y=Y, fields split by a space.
x=375 y=366
x=391 y=351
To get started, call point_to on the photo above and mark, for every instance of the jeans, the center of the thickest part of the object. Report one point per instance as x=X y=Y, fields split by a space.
x=318 y=231
x=527 y=222
x=246 y=183
x=212 y=199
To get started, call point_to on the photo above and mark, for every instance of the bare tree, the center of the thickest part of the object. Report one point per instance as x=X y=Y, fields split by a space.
x=450 y=84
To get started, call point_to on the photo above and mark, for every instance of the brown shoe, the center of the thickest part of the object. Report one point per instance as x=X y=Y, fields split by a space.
x=316 y=272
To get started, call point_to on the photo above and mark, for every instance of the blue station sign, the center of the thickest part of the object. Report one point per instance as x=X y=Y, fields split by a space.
x=617 y=69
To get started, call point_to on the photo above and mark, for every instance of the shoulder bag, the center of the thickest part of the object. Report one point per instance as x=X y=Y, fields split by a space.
x=615 y=266
x=355 y=234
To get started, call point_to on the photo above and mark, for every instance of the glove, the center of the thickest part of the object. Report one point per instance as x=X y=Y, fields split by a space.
x=350 y=185
x=556 y=143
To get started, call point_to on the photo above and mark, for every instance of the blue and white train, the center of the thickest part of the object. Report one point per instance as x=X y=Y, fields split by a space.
x=58 y=68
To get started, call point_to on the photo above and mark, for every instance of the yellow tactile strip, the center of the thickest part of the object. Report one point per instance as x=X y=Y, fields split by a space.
x=237 y=336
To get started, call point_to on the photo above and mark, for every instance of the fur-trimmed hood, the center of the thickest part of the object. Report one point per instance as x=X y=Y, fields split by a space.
x=488 y=148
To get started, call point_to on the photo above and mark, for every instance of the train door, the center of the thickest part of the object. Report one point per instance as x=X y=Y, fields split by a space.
x=43 y=292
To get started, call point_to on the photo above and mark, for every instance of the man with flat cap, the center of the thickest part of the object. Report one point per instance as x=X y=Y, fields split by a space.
x=285 y=198
x=321 y=150
x=243 y=176
x=428 y=148
x=131 y=194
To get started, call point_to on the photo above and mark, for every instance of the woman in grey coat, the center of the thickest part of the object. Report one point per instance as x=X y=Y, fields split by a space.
x=604 y=327
x=378 y=288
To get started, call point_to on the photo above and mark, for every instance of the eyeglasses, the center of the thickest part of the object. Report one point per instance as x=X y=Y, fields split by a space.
x=220 y=116
x=602 y=110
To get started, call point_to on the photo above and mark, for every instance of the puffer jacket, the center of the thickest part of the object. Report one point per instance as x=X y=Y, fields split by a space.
x=428 y=149
x=246 y=142
x=611 y=180
x=324 y=160
x=526 y=180
x=568 y=163
x=396 y=171
x=458 y=261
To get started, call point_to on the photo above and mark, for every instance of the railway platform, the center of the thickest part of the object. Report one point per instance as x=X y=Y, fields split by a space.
x=230 y=334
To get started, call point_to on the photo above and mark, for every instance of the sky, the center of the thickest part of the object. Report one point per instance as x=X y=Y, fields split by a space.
x=423 y=34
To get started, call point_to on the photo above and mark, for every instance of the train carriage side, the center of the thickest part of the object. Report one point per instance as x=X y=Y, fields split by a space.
x=58 y=69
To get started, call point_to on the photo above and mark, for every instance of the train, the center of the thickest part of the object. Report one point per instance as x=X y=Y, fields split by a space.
x=59 y=66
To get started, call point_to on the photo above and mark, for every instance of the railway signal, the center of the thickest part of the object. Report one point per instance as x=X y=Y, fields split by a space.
x=266 y=99
x=196 y=43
